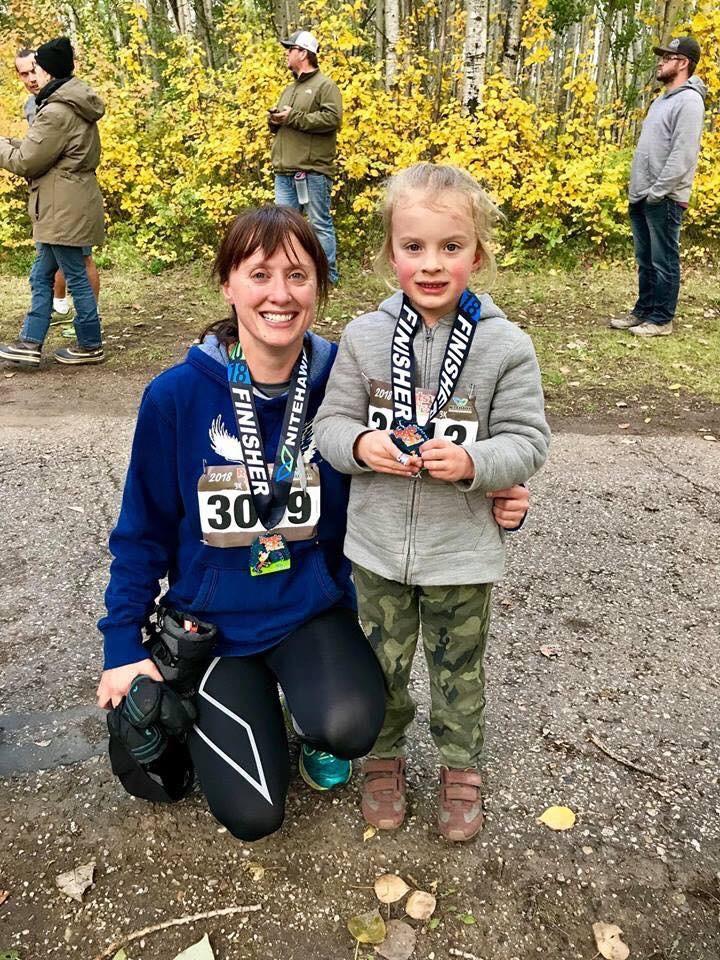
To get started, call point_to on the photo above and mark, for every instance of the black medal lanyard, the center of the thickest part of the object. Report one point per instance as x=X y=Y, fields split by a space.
x=270 y=492
x=406 y=433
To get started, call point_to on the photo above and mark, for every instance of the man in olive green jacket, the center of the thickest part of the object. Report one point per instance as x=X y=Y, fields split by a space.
x=58 y=156
x=305 y=123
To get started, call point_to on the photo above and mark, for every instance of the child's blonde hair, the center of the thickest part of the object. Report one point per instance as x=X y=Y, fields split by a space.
x=435 y=179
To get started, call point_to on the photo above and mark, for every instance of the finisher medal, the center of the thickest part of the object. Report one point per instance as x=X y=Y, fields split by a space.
x=270 y=493
x=408 y=437
x=269 y=554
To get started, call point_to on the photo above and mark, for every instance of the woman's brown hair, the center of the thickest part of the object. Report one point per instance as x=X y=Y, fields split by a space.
x=265 y=228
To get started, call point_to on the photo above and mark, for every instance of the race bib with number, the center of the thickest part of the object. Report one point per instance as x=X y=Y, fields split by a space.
x=457 y=421
x=228 y=517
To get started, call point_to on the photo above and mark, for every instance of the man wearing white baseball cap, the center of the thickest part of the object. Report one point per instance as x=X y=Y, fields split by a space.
x=305 y=123
x=661 y=179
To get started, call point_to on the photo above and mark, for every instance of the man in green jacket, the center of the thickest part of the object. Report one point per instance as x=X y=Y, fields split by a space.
x=58 y=156
x=305 y=123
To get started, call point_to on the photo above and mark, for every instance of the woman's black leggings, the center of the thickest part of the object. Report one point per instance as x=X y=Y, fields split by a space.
x=335 y=691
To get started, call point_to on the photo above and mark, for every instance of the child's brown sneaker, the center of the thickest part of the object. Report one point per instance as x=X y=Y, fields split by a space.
x=460 y=816
x=383 y=792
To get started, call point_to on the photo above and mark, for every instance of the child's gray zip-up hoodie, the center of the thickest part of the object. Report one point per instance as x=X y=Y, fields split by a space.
x=430 y=532
x=667 y=152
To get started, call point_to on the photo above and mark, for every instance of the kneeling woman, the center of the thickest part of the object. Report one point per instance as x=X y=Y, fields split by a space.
x=226 y=496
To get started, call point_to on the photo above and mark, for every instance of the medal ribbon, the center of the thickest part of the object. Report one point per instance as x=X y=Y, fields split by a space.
x=270 y=494
x=456 y=352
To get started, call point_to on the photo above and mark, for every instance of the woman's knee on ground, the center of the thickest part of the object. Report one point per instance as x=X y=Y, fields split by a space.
x=249 y=822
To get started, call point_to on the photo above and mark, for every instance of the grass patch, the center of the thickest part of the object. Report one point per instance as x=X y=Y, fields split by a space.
x=150 y=320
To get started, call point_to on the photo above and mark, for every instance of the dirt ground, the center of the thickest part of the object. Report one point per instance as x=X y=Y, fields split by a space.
x=616 y=571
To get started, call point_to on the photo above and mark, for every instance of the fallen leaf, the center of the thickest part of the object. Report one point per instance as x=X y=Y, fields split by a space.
x=4 y=894
x=198 y=951
x=367 y=927
x=256 y=871
x=607 y=938
x=389 y=888
x=420 y=905
x=369 y=833
x=550 y=651
x=558 y=818
x=74 y=883
x=399 y=943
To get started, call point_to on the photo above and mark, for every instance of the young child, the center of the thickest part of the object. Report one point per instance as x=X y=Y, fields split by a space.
x=434 y=401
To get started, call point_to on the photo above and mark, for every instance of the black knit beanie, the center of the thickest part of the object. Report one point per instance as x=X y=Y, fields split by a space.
x=56 y=57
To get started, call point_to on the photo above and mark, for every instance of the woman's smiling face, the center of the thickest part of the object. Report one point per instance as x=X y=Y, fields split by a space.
x=274 y=297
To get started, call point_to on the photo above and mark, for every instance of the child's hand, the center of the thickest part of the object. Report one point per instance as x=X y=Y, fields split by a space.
x=377 y=451
x=510 y=505
x=445 y=460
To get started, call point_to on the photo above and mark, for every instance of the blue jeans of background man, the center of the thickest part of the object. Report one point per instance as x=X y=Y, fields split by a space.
x=656 y=234
x=48 y=259
x=317 y=210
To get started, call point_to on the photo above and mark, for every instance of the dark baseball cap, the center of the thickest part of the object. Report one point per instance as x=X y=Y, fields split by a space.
x=681 y=47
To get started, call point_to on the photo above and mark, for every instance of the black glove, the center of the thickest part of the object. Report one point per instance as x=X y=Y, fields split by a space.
x=145 y=718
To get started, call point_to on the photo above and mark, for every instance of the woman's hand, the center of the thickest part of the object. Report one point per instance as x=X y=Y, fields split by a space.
x=510 y=505
x=376 y=450
x=445 y=460
x=115 y=683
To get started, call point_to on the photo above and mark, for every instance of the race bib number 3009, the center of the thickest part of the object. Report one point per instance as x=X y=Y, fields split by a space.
x=457 y=421
x=228 y=517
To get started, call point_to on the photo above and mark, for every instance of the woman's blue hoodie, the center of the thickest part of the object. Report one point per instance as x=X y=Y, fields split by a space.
x=158 y=533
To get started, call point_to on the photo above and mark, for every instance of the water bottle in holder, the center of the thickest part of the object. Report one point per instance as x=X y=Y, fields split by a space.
x=301 y=187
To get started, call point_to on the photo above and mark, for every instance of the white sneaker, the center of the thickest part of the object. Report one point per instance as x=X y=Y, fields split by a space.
x=61 y=306
x=653 y=329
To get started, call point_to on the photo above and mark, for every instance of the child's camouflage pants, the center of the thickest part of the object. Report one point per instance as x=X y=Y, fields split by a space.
x=455 y=622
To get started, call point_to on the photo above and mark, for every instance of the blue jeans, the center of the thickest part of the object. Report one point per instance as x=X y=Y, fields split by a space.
x=48 y=259
x=317 y=210
x=656 y=234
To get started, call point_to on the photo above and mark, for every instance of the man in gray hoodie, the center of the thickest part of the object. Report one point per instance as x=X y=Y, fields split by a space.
x=661 y=178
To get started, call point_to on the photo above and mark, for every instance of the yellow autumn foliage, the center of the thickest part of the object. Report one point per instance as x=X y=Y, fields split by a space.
x=182 y=156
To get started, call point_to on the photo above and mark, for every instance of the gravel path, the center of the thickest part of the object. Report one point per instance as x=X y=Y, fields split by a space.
x=606 y=626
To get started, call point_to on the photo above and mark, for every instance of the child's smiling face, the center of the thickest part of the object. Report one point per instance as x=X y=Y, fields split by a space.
x=434 y=250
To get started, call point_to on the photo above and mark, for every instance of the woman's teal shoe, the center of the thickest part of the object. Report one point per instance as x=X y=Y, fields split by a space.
x=323 y=771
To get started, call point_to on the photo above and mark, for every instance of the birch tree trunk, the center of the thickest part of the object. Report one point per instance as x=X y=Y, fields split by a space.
x=379 y=22
x=474 y=54
x=511 y=45
x=392 y=35
x=672 y=12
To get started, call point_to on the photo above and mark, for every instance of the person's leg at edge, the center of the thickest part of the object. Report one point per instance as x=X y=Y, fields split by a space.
x=390 y=617
x=92 y=274
x=42 y=276
x=318 y=213
x=334 y=689
x=645 y=302
x=664 y=220
x=87 y=322
x=285 y=192
x=239 y=746
x=60 y=303
x=455 y=623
